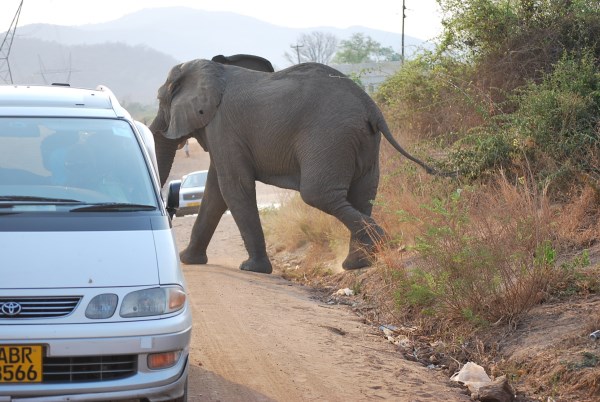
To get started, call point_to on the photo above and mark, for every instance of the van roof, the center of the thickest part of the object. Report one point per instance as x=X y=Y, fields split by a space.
x=59 y=100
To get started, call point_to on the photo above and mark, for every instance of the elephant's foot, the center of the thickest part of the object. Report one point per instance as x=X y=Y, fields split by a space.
x=187 y=257
x=260 y=265
x=357 y=258
x=363 y=248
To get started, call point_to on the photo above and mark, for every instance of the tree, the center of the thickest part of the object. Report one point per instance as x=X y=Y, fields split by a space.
x=317 y=47
x=361 y=49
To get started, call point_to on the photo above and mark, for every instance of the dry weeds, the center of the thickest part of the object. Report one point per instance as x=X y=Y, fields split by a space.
x=539 y=338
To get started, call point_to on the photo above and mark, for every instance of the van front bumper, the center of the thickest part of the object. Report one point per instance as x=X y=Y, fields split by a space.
x=139 y=382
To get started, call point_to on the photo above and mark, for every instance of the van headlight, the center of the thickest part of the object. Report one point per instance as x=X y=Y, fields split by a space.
x=102 y=306
x=155 y=301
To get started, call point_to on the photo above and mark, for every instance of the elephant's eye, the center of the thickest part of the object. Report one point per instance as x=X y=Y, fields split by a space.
x=201 y=111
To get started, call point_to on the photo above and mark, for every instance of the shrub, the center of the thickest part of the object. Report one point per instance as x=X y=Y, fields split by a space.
x=484 y=256
x=430 y=98
x=558 y=120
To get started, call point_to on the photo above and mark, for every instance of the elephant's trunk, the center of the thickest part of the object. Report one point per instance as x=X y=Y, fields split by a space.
x=165 y=154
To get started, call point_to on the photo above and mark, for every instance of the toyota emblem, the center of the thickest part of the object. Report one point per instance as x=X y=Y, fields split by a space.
x=11 y=308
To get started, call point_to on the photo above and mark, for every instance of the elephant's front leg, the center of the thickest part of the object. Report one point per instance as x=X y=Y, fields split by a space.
x=211 y=210
x=240 y=193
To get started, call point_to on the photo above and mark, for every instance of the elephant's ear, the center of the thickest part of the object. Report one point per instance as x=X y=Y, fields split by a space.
x=195 y=89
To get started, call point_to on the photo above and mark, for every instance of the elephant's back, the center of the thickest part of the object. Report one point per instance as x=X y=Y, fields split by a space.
x=329 y=84
x=302 y=96
x=316 y=79
x=312 y=74
x=308 y=70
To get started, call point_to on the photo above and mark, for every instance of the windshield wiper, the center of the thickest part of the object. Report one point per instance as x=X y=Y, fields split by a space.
x=114 y=206
x=24 y=199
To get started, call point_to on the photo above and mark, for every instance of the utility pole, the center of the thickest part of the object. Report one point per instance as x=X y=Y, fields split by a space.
x=5 y=73
x=297 y=47
x=44 y=72
x=403 y=17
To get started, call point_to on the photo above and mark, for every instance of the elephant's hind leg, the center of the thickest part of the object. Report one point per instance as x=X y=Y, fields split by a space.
x=353 y=209
x=364 y=242
x=363 y=246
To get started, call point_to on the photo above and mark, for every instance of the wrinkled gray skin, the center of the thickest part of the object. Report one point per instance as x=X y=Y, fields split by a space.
x=306 y=128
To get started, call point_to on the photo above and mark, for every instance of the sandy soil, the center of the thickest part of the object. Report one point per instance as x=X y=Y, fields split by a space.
x=261 y=338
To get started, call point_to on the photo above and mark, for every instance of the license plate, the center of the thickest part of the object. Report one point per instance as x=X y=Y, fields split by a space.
x=193 y=204
x=20 y=363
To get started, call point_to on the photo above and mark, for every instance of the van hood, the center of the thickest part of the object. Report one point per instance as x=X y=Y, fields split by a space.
x=77 y=259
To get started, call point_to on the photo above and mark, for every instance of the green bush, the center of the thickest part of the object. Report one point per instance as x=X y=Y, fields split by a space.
x=511 y=86
x=476 y=28
x=480 y=264
x=430 y=98
x=558 y=119
x=553 y=132
x=481 y=154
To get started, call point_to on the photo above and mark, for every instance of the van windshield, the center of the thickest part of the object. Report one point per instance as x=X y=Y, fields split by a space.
x=49 y=164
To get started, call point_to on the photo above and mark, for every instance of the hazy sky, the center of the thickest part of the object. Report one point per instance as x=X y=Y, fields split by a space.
x=422 y=16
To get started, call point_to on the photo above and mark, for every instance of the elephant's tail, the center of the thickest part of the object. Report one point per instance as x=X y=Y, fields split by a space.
x=382 y=127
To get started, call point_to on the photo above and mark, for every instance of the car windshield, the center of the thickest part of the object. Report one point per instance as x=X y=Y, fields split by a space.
x=57 y=164
x=195 y=180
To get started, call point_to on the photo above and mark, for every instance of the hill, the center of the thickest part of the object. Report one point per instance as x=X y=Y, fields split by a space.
x=133 y=54
x=133 y=72
x=186 y=34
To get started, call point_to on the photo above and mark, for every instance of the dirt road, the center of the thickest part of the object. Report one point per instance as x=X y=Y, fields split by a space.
x=261 y=338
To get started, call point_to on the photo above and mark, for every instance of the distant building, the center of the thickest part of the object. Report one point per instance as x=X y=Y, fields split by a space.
x=370 y=75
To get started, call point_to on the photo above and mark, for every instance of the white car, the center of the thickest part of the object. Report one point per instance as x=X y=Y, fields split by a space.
x=93 y=303
x=187 y=193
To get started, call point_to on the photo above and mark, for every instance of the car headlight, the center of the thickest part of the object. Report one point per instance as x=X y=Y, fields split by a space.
x=155 y=301
x=102 y=306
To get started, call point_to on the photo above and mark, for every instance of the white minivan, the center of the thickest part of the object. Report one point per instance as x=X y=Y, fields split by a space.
x=93 y=304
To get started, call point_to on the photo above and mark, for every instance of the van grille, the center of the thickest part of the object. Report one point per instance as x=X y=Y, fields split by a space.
x=37 y=307
x=88 y=368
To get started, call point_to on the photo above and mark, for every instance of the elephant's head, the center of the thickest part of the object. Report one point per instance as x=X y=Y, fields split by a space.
x=188 y=101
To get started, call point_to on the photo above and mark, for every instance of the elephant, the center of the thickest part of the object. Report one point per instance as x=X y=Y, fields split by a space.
x=247 y=61
x=307 y=128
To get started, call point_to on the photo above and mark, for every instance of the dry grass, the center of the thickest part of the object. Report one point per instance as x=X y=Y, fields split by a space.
x=296 y=225
x=485 y=256
x=578 y=223
x=525 y=241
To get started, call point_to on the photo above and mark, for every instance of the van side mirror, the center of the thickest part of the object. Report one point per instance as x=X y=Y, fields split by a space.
x=173 y=197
